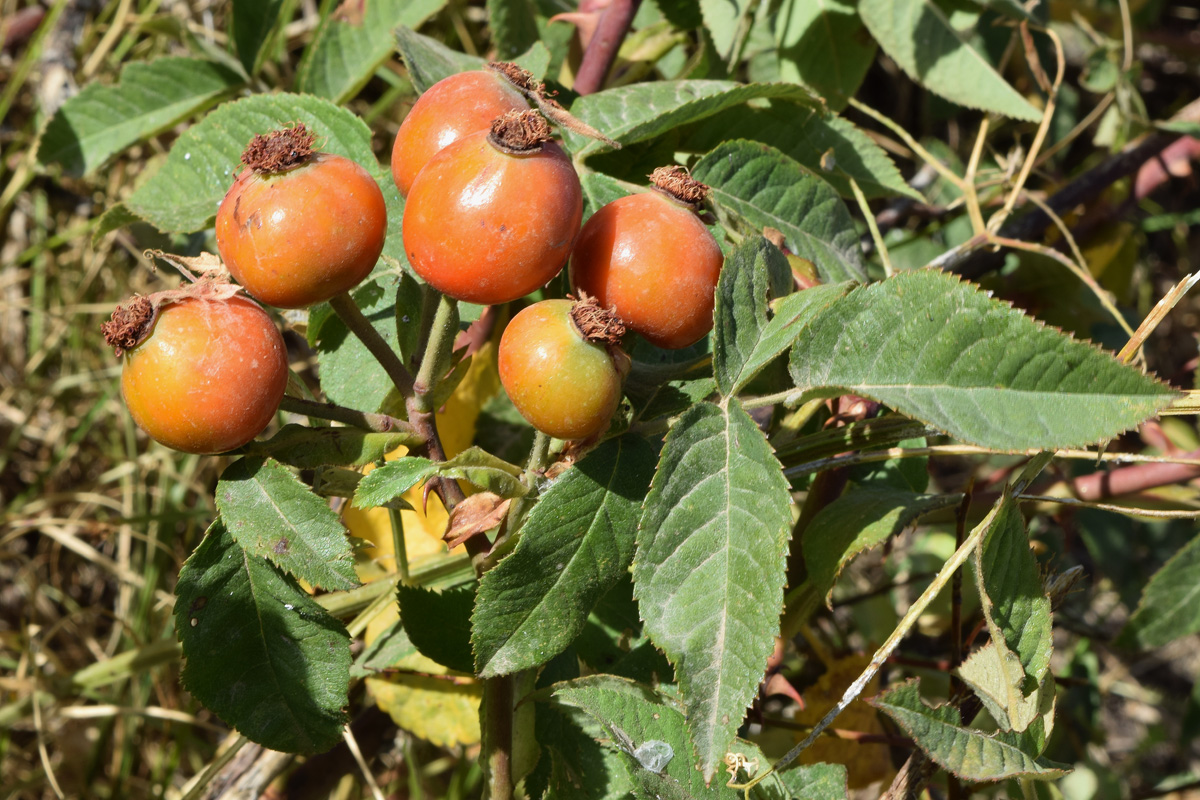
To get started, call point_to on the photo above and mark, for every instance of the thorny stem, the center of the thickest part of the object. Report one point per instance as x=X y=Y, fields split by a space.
x=380 y=423
x=602 y=50
x=349 y=312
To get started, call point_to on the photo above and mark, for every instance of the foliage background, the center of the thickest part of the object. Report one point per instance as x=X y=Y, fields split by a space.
x=96 y=521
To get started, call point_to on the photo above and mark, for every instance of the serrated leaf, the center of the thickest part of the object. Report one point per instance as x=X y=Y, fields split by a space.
x=1010 y=588
x=768 y=188
x=753 y=274
x=709 y=569
x=474 y=465
x=576 y=544
x=791 y=314
x=579 y=767
x=348 y=47
x=997 y=678
x=388 y=481
x=513 y=27
x=150 y=97
x=308 y=448
x=924 y=37
x=651 y=734
x=863 y=518
x=183 y=195
x=1168 y=608
x=822 y=44
x=644 y=110
x=428 y=60
x=942 y=351
x=275 y=516
x=970 y=754
x=810 y=137
x=258 y=651
x=722 y=18
x=249 y=28
x=439 y=623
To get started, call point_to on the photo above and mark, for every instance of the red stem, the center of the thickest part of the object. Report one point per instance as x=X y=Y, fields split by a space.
x=602 y=50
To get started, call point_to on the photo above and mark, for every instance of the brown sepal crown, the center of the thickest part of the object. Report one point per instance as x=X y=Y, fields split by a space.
x=279 y=150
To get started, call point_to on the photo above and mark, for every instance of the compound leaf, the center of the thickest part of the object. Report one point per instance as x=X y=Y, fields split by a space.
x=259 y=652
x=942 y=351
x=709 y=568
x=428 y=60
x=753 y=273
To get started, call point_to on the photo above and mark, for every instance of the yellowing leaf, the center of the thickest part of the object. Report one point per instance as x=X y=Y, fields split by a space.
x=438 y=710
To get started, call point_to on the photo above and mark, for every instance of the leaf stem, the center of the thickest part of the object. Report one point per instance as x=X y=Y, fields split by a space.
x=349 y=312
x=498 y=741
x=380 y=423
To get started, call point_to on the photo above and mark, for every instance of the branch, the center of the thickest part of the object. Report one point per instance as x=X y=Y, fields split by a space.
x=380 y=423
x=602 y=50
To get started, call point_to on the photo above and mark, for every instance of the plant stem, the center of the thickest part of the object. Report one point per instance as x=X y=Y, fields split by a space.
x=380 y=423
x=438 y=350
x=399 y=545
x=497 y=742
x=349 y=312
x=606 y=41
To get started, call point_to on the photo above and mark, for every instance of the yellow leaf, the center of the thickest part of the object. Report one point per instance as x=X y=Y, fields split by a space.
x=438 y=710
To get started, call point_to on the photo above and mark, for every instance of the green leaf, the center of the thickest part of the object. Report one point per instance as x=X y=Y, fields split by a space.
x=791 y=314
x=1010 y=588
x=575 y=765
x=651 y=734
x=722 y=19
x=308 y=448
x=930 y=41
x=151 y=96
x=439 y=623
x=183 y=195
x=428 y=60
x=815 y=782
x=250 y=26
x=863 y=518
x=766 y=187
x=709 y=569
x=644 y=110
x=822 y=45
x=576 y=544
x=474 y=465
x=347 y=48
x=387 y=650
x=752 y=275
x=388 y=481
x=350 y=375
x=969 y=754
x=828 y=146
x=258 y=651
x=944 y=352
x=513 y=27
x=275 y=516
x=1168 y=608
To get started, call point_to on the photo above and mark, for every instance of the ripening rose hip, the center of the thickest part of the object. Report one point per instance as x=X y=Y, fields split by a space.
x=563 y=381
x=298 y=226
x=201 y=374
x=651 y=258
x=452 y=108
x=493 y=216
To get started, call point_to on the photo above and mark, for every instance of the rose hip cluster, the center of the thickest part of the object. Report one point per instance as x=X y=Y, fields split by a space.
x=493 y=211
